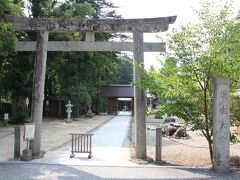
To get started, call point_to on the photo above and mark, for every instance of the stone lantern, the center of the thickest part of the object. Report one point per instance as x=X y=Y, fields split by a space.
x=27 y=102
x=89 y=112
x=69 y=111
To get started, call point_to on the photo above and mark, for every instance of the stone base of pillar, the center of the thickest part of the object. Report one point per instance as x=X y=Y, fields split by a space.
x=68 y=120
x=27 y=155
x=40 y=155
x=141 y=161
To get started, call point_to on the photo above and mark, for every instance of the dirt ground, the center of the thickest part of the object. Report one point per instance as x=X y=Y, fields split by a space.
x=55 y=133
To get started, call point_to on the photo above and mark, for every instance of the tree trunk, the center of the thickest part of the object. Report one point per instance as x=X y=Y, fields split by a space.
x=78 y=110
x=207 y=134
x=14 y=107
x=16 y=103
x=210 y=148
x=97 y=100
x=97 y=104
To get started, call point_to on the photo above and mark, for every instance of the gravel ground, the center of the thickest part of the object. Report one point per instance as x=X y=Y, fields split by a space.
x=192 y=151
x=186 y=152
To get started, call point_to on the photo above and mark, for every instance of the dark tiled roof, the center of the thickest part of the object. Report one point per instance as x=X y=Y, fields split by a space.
x=117 y=90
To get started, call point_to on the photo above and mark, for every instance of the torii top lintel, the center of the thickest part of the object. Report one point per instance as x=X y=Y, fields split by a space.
x=92 y=25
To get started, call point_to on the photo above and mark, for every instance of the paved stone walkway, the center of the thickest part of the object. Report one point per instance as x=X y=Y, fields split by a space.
x=110 y=147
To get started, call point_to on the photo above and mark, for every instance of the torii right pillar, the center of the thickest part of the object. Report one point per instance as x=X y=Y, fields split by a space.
x=139 y=97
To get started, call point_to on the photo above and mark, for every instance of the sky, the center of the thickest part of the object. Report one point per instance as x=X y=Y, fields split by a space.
x=154 y=8
x=183 y=9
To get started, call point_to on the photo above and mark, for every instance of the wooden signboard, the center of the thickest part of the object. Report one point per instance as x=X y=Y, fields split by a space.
x=29 y=131
x=6 y=116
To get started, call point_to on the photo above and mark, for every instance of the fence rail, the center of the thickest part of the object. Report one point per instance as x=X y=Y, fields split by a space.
x=81 y=143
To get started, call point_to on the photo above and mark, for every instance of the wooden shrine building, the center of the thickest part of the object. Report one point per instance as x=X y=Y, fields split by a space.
x=120 y=98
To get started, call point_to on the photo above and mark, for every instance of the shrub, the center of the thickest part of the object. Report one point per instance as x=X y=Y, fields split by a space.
x=22 y=114
x=235 y=161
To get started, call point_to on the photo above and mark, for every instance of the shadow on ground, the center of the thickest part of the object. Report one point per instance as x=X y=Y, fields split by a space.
x=62 y=172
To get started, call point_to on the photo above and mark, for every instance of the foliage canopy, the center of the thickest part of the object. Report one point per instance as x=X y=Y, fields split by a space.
x=197 y=54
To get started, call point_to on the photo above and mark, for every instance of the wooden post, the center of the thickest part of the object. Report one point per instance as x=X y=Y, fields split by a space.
x=17 y=142
x=38 y=89
x=158 y=156
x=139 y=96
x=59 y=108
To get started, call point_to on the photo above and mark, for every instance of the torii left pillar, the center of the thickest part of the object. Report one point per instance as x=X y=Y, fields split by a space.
x=38 y=90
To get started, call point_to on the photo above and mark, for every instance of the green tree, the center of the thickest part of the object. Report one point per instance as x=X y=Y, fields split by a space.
x=82 y=72
x=197 y=55
x=66 y=71
x=8 y=38
x=7 y=33
x=41 y=8
x=19 y=80
x=124 y=74
x=75 y=75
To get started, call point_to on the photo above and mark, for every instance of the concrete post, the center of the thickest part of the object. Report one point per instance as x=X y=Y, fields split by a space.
x=139 y=97
x=38 y=89
x=17 y=142
x=221 y=125
x=158 y=156
x=90 y=37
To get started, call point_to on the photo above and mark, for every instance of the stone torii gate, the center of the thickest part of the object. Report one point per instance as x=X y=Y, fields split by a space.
x=44 y=26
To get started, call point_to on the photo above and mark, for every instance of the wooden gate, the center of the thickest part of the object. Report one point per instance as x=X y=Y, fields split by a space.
x=81 y=143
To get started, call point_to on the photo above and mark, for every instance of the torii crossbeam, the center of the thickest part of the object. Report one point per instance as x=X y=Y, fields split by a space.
x=44 y=26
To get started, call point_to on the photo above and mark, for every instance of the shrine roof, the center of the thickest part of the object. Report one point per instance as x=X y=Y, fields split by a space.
x=118 y=91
